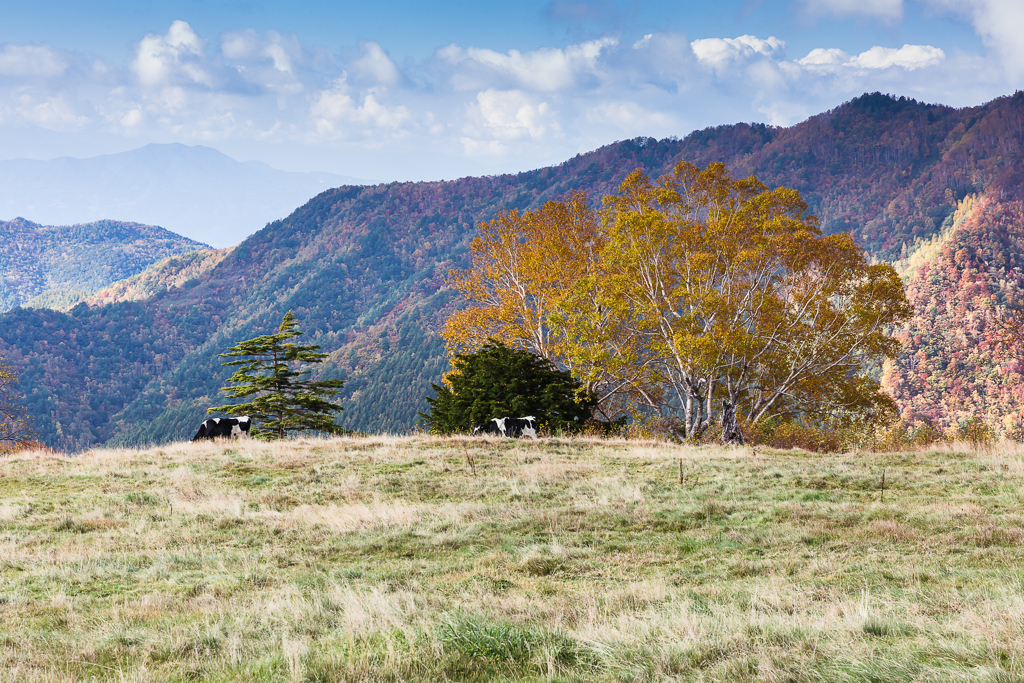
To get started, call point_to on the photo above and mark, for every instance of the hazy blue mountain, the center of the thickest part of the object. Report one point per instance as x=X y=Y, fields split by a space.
x=195 y=191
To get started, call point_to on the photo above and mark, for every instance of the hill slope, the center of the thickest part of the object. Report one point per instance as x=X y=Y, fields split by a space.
x=195 y=191
x=169 y=273
x=363 y=268
x=950 y=370
x=64 y=263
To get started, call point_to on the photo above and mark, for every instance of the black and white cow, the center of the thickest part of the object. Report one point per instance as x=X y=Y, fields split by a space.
x=512 y=427
x=224 y=426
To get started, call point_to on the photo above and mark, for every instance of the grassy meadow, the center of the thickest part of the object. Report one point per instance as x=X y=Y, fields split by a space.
x=423 y=559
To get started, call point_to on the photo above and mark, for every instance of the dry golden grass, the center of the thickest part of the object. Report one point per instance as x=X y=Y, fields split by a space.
x=396 y=559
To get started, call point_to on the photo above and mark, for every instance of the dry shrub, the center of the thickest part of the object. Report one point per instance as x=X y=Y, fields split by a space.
x=27 y=446
x=927 y=435
x=976 y=432
x=1016 y=435
x=786 y=435
x=899 y=436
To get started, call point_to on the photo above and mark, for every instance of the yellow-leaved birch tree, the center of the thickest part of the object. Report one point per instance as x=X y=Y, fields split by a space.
x=688 y=290
x=14 y=422
x=523 y=265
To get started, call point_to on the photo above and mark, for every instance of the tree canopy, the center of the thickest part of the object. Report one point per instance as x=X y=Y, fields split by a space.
x=14 y=422
x=498 y=381
x=682 y=291
x=281 y=399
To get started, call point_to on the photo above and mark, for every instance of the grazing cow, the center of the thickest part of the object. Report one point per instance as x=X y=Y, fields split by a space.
x=224 y=426
x=512 y=427
x=495 y=426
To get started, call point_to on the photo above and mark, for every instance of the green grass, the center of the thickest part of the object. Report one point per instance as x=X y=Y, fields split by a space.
x=387 y=559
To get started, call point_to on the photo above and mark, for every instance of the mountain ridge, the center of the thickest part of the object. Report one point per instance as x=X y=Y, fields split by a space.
x=363 y=268
x=72 y=261
x=195 y=191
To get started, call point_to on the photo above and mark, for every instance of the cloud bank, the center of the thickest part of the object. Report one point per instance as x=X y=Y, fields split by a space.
x=509 y=109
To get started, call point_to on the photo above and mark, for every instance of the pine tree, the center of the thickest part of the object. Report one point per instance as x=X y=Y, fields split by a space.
x=280 y=399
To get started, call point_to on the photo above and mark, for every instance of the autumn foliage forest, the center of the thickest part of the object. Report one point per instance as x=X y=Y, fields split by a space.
x=956 y=364
x=934 y=191
x=58 y=266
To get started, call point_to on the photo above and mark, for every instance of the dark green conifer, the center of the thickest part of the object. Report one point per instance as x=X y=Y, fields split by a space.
x=280 y=400
x=498 y=381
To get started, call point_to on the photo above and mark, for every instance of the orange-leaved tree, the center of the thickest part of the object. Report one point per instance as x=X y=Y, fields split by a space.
x=523 y=265
x=703 y=287
x=14 y=422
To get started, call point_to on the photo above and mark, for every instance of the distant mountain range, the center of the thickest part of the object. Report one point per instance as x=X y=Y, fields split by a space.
x=195 y=191
x=58 y=266
x=935 y=190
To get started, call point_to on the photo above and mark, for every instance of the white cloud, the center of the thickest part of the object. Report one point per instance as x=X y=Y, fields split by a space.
x=177 y=55
x=544 y=70
x=627 y=116
x=52 y=112
x=132 y=118
x=36 y=61
x=825 y=57
x=665 y=60
x=512 y=114
x=266 y=89
x=271 y=62
x=720 y=53
x=376 y=65
x=241 y=44
x=281 y=51
x=336 y=111
x=171 y=99
x=890 y=10
x=909 y=57
x=1000 y=23
x=282 y=60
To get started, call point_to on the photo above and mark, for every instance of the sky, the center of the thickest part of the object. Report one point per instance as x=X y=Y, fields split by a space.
x=401 y=90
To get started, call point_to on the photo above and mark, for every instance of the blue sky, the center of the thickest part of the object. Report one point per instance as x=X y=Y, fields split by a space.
x=405 y=90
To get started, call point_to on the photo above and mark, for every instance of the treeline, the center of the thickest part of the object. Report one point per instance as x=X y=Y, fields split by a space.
x=359 y=265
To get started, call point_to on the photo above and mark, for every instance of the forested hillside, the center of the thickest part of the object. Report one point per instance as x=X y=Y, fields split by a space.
x=169 y=273
x=952 y=369
x=59 y=265
x=363 y=268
